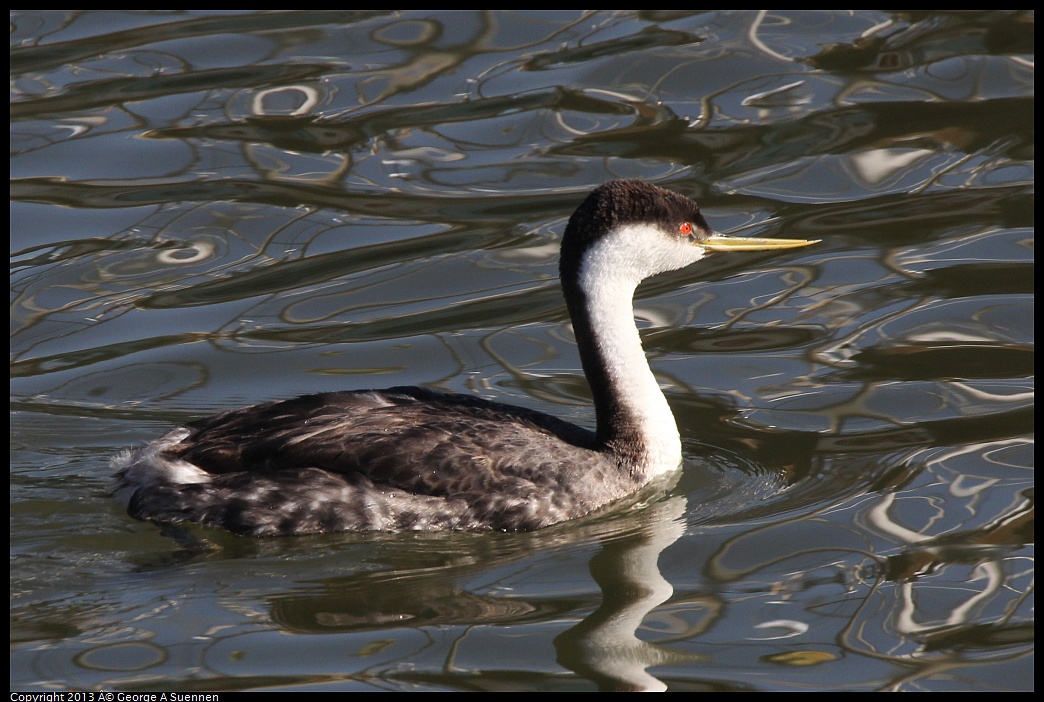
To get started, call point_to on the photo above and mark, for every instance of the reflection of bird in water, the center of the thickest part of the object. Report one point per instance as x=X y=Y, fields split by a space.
x=411 y=458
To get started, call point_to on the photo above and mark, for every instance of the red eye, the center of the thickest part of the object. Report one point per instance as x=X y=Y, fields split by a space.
x=685 y=228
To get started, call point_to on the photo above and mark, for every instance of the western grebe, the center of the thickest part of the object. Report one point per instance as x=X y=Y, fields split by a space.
x=408 y=458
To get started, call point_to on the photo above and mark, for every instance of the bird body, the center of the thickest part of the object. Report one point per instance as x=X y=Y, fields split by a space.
x=410 y=458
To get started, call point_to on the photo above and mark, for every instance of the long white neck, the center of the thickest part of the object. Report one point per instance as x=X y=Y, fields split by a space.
x=634 y=419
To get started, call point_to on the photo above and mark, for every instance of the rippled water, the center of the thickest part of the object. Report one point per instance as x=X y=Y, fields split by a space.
x=215 y=208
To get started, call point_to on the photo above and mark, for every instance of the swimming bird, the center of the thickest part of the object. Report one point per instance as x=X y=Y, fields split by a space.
x=409 y=458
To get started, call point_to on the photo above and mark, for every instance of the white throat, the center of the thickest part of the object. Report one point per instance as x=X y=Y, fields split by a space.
x=609 y=274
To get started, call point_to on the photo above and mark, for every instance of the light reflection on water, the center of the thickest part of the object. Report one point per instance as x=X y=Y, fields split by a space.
x=212 y=209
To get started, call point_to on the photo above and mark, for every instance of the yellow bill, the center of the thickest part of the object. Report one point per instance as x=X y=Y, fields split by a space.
x=719 y=242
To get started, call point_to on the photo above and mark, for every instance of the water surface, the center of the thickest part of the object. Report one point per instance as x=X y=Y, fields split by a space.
x=210 y=209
